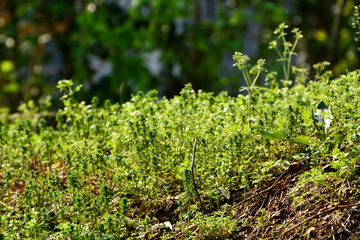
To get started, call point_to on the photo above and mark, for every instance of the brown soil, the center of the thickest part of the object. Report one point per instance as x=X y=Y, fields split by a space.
x=313 y=218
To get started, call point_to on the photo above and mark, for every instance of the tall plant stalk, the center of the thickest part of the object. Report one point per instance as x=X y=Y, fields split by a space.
x=288 y=47
x=241 y=62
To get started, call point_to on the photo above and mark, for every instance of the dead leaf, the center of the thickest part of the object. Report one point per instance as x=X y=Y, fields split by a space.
x=168 y=224
x=225 y=192
x=295 y=167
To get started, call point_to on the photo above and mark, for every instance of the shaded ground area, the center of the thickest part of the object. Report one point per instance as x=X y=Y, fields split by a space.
x=271 y=214
x=311 y=219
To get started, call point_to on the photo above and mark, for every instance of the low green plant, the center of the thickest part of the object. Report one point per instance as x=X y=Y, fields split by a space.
x=216 y=226
x=301 y=75
x=288 y=50
x=117 y=171
x=241 y=62
x=96 y=168
x=262 y=220
x=321 y=74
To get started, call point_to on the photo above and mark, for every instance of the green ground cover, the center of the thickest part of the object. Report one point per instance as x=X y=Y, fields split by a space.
x=116 y=171
x=290 y=169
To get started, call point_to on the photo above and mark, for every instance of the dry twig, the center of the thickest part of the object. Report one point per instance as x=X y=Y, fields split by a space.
x=193 y=175
x=319 y=214
x=260 y=193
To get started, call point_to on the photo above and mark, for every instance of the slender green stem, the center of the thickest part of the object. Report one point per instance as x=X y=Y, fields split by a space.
x=288 y=67
x=319 y=196
x=286 y=51
x=245 y=77
x=249 y=108
x=293 y=48
x=258 y=74
x=248 y=78
x=289 y=60
x=282 y=59
x=279 y=53
x=241 y=64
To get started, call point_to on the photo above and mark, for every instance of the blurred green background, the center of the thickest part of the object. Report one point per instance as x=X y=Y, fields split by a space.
x=118 y=47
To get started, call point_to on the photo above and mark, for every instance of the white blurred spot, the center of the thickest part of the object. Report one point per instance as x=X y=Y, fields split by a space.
x=152 y=62
x=179 y=26
x=9 y=42
x=231 y=3
x=44 y=38
x=34 y=91
x=301 y=58
x=38 y=69
x=91 y=7
x=125 y=4
x=176 y=70
x=102 y=68
x=25 y=45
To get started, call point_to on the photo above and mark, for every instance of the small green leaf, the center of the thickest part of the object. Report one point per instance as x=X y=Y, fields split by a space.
x=225 y=192
x=274 y=135
x=246 y=129
x=323 y=137
x=255 y=88
x=339 y=138
x=302 y=139
x=356 y=115
x=231 y=128
x=77 y=89
x=242 y=88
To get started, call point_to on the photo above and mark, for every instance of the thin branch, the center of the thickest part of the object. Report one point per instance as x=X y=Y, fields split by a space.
x=319 y=214
x=260 y=193
x=193 y=174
